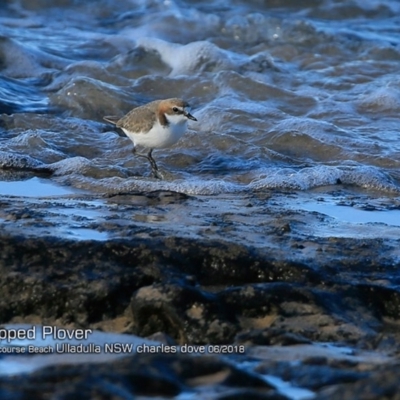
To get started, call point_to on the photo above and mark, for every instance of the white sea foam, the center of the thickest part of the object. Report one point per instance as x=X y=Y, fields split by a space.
x=190 y=187
x=276 y=178
x=70 y=165
x=380 y=100
x=312 y=177
x=9 y=160
x=191 y=58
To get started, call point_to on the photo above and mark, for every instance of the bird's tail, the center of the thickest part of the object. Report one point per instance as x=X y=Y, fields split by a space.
x=112 y=119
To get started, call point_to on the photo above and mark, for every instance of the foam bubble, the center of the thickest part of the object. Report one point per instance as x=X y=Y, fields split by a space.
x=190 y=58
x=70 y=165
x=17 y=161
x=308 y=178
x=278 y=178
x=77 y=171
x=190 y=187
x=380 y=100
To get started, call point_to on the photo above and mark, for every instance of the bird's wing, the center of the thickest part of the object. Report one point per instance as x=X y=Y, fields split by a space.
x=140 y=119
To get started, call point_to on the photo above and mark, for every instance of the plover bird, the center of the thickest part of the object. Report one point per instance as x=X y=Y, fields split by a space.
x=155 y=125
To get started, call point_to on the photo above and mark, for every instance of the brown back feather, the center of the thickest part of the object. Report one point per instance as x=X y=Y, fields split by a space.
x=141 y=119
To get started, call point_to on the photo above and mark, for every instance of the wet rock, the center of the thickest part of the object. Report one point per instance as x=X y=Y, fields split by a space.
x=294 y=291
x=113 y=380
x=19 y=162
x=186 y=313
x=85 y=282
x=201 y=370
x=379 y=385
x=182 y=287
x=271 y=337
x=312 y=376
x=384 y=300
x=252 y=395
x=140 y=375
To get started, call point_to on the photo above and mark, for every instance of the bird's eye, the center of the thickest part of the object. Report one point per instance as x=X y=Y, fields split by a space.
x=175 y=109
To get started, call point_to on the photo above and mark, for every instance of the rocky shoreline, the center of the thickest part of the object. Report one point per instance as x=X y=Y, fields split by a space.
x=262 y=284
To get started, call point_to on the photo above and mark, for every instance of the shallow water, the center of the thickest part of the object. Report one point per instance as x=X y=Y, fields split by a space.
x=33 y=187
x=352 y=215
x=286 y=96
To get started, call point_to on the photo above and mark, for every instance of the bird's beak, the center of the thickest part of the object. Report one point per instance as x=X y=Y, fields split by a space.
x=190 y=116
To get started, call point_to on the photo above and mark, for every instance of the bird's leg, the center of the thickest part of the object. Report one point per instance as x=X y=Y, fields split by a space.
x=154 y=168
x=144 y=156
x=152 y=161
x=153 y=164
x=138 y=154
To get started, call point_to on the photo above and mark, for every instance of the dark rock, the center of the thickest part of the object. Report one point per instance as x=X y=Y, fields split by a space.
x=82 y=283
x=252 y=395
x=120 y=380
x=271 y=337
x=384 y=300
x=197 y=292
x=383 y=384
x=142 y=375
x=186 y=313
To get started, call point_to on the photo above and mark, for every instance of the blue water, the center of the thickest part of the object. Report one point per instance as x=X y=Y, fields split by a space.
x=287 y=96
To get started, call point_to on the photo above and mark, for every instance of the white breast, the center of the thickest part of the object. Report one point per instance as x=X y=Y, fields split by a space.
x=159 y=136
